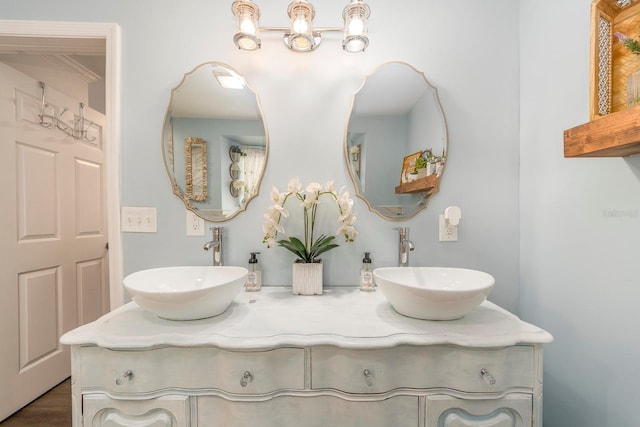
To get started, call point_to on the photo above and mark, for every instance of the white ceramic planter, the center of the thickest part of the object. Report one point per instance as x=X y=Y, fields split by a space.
x=307 y=278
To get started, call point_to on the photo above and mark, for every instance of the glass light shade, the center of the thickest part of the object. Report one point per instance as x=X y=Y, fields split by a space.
x=247 y=14
x=355 y=26
x=301 y=38
x=301 y=42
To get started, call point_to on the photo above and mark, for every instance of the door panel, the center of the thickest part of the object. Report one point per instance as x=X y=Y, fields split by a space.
x=39 y=315
x=37 y=192
x=89 y=198
x=53 y=235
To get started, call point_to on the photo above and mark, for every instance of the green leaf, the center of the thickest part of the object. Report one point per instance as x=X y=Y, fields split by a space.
x=322 y=245
x=319 y=242
x=295 y=246
x=632 y=45
x=324 y=249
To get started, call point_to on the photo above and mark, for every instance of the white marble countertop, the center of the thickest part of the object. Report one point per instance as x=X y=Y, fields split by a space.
x=343 y=317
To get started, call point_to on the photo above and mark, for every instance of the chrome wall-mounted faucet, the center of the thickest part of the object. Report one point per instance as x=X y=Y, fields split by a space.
x=405 y=246
x=216 y=245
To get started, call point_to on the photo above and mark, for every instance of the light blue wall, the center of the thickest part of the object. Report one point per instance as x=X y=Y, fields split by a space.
x=383 y=150
x=426 y=127
x=467 y=48
x=579 y=228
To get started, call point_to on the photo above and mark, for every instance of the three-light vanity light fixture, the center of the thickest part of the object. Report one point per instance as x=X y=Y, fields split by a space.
x=301 y=36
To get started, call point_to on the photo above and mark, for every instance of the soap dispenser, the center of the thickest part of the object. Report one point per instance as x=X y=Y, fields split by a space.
x=254 y=278
x=366 y=275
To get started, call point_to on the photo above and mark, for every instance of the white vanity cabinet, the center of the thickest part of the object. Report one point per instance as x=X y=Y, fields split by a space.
x=345 y=358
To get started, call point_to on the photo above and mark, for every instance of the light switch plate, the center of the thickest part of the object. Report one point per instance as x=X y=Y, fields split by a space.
x=139 y=220
x=447 y=232
x=195 y=224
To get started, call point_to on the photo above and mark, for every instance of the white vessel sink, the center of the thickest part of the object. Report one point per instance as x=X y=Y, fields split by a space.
x=186 y=293
x=433 y=293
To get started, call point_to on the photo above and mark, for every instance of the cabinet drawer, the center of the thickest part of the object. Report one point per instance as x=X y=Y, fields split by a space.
x=317 y=411
x=165 y=411
x=194 y=368
x=513 y=410
x=377 y=371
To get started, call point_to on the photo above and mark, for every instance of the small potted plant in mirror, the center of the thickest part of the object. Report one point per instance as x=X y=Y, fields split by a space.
x=422 y=164
x=307 y=268
x=633 y=79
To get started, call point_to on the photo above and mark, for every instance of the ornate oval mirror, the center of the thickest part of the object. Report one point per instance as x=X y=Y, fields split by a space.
x=396 y=141
x=215 y=142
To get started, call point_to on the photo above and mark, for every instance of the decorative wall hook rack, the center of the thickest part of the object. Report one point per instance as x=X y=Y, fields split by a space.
x=77 y=127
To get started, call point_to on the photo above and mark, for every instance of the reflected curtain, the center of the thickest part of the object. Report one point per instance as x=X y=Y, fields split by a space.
x=253 y=162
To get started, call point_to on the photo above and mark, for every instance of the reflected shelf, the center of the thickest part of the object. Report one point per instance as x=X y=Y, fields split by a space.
x=429 y=184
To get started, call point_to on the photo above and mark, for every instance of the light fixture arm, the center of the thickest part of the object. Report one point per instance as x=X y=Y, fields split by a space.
x=315 y=29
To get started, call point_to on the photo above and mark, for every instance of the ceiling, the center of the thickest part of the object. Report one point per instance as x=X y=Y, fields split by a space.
x=81 y=56
x=393 y=89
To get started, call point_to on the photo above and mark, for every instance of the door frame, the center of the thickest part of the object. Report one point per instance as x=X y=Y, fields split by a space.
x=110 y=32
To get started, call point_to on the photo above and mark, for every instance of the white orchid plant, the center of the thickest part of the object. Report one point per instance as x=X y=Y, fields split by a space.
x=313 y=246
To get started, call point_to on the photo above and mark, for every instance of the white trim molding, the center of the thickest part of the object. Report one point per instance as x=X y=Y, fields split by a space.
x=110 y=32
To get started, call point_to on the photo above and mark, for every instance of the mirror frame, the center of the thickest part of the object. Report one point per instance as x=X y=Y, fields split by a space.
x=346 y=152
x=167 y=154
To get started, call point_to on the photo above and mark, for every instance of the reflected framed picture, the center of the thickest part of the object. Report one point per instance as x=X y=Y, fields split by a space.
x=195 y=153
x=408 y=166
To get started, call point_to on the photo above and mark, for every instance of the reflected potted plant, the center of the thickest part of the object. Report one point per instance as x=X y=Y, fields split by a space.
x=307 y=268
x=633 y=79
x=421 y=167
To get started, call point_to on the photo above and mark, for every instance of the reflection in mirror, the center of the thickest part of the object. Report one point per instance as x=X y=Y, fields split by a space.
x=396 y=141
x=235 y=187
x=223 y=166
x=234 y=153
x=196 y=168
x=234 y=171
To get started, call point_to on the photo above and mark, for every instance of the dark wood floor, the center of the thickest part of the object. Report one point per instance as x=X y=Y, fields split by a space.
x=53 y=409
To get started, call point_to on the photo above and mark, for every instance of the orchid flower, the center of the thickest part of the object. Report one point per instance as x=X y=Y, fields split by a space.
x=312 y=246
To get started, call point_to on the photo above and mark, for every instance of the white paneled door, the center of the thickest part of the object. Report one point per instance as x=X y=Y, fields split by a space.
x=53 y=236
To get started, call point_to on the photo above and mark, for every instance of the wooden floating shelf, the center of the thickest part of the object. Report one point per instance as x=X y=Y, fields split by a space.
x=420 y=185
x=614 y=135
x=614 y=129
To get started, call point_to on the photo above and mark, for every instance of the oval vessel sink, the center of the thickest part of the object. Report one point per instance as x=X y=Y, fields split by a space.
x=186 y=293
x=433 y=293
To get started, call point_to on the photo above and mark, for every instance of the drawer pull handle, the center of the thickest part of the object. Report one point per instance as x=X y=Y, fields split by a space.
x=125 y=376
x=487 y=377
x=246 y=378
x=368 y=377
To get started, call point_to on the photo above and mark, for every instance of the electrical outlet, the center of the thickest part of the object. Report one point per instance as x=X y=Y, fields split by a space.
x=195 y=224
x=447 y=232
x=139 y=220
